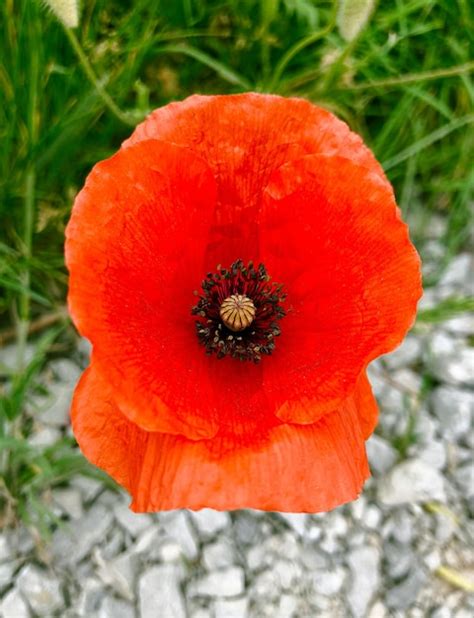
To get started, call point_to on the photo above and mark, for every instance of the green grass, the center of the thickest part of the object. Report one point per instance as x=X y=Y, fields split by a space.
x=68 y=99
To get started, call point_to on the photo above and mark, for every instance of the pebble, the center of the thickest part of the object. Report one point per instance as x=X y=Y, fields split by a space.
x=406 y=354
x=6 y=550
x=450 y=360
x=328 y=582
x=287 y=607
x=224 y=583
x=462 y=325
x=70 y=502
x=458 y=273
x=118 y=573
x=382 y=456
x=399 y=560
x=432 y=453
x=441 y=612
x=218 y=555
x=115 y=608
x=209 y=522
x=454 y=409
x=411 y=481
x=402 y=530
x=41 y=590
x=160 y=594
x=133 y=523
x=464 y=477
x=14 y=606
x=246 y=529
x=364 y=565
x=45 y=437
x=54 y=407
x=378 y=610
x=71 y=543
x=296 y=521
x=89 y=488
x=403 y=595
x=9 y=357
x=7 y=569
x=90 y=596
x=231 y=608
x=177 y=527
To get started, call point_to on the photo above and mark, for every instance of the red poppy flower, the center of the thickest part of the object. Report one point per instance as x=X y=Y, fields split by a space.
x=252 y=393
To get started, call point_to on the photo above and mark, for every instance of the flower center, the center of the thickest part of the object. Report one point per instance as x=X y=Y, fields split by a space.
x=238 y=312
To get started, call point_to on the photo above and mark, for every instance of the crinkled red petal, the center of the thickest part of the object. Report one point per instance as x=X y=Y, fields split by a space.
x=288 y=468
x=331 y=230
x=244 y=138
x=135 y=249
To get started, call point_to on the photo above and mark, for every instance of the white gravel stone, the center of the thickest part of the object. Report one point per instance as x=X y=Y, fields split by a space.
x=433 y=453
x=403 y=595
x=160 y=594
x=399 y=560
x=65 y=370
x=403 y=528
x=328 y=582
x=177 y=527
x=147 y=542
x=14 y=606
x=225 y=583
x=44 y=437
x=382 y=456
x=90 y=596
x=364 y=564
x=9 y=356
x=170 y=551
x=372 y=517
x=89 y=488
x=247 y=529
x=406 y=354
x=296 y=521
x=231 y=608
x=115 y=608
x=287 y=607
x=218 y=555
x=118 y=573
x=464 y=477
x=41 y=590
x=6 y=551
x=209 y=522
x=6 y=574
x=133 y=523
x=54 y=407
x=411 y=481
x=454 y=408
x=450 y=360
x=378 y=610
x=432 y=560
x=441 y=612
x=70 y=502
x=71 y=543
x=459 y=273
x=460 y=325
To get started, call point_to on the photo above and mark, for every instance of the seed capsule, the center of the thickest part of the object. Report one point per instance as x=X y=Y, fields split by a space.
x=237 y=312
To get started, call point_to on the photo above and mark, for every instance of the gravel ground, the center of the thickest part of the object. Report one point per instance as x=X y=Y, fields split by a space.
x=393 y=552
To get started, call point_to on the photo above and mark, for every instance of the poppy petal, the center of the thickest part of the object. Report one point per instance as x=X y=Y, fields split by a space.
x=351 y=273
x=135 y=249
x=303 y=409
x=244 y=138
x=290 y=468
x=366 y=405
